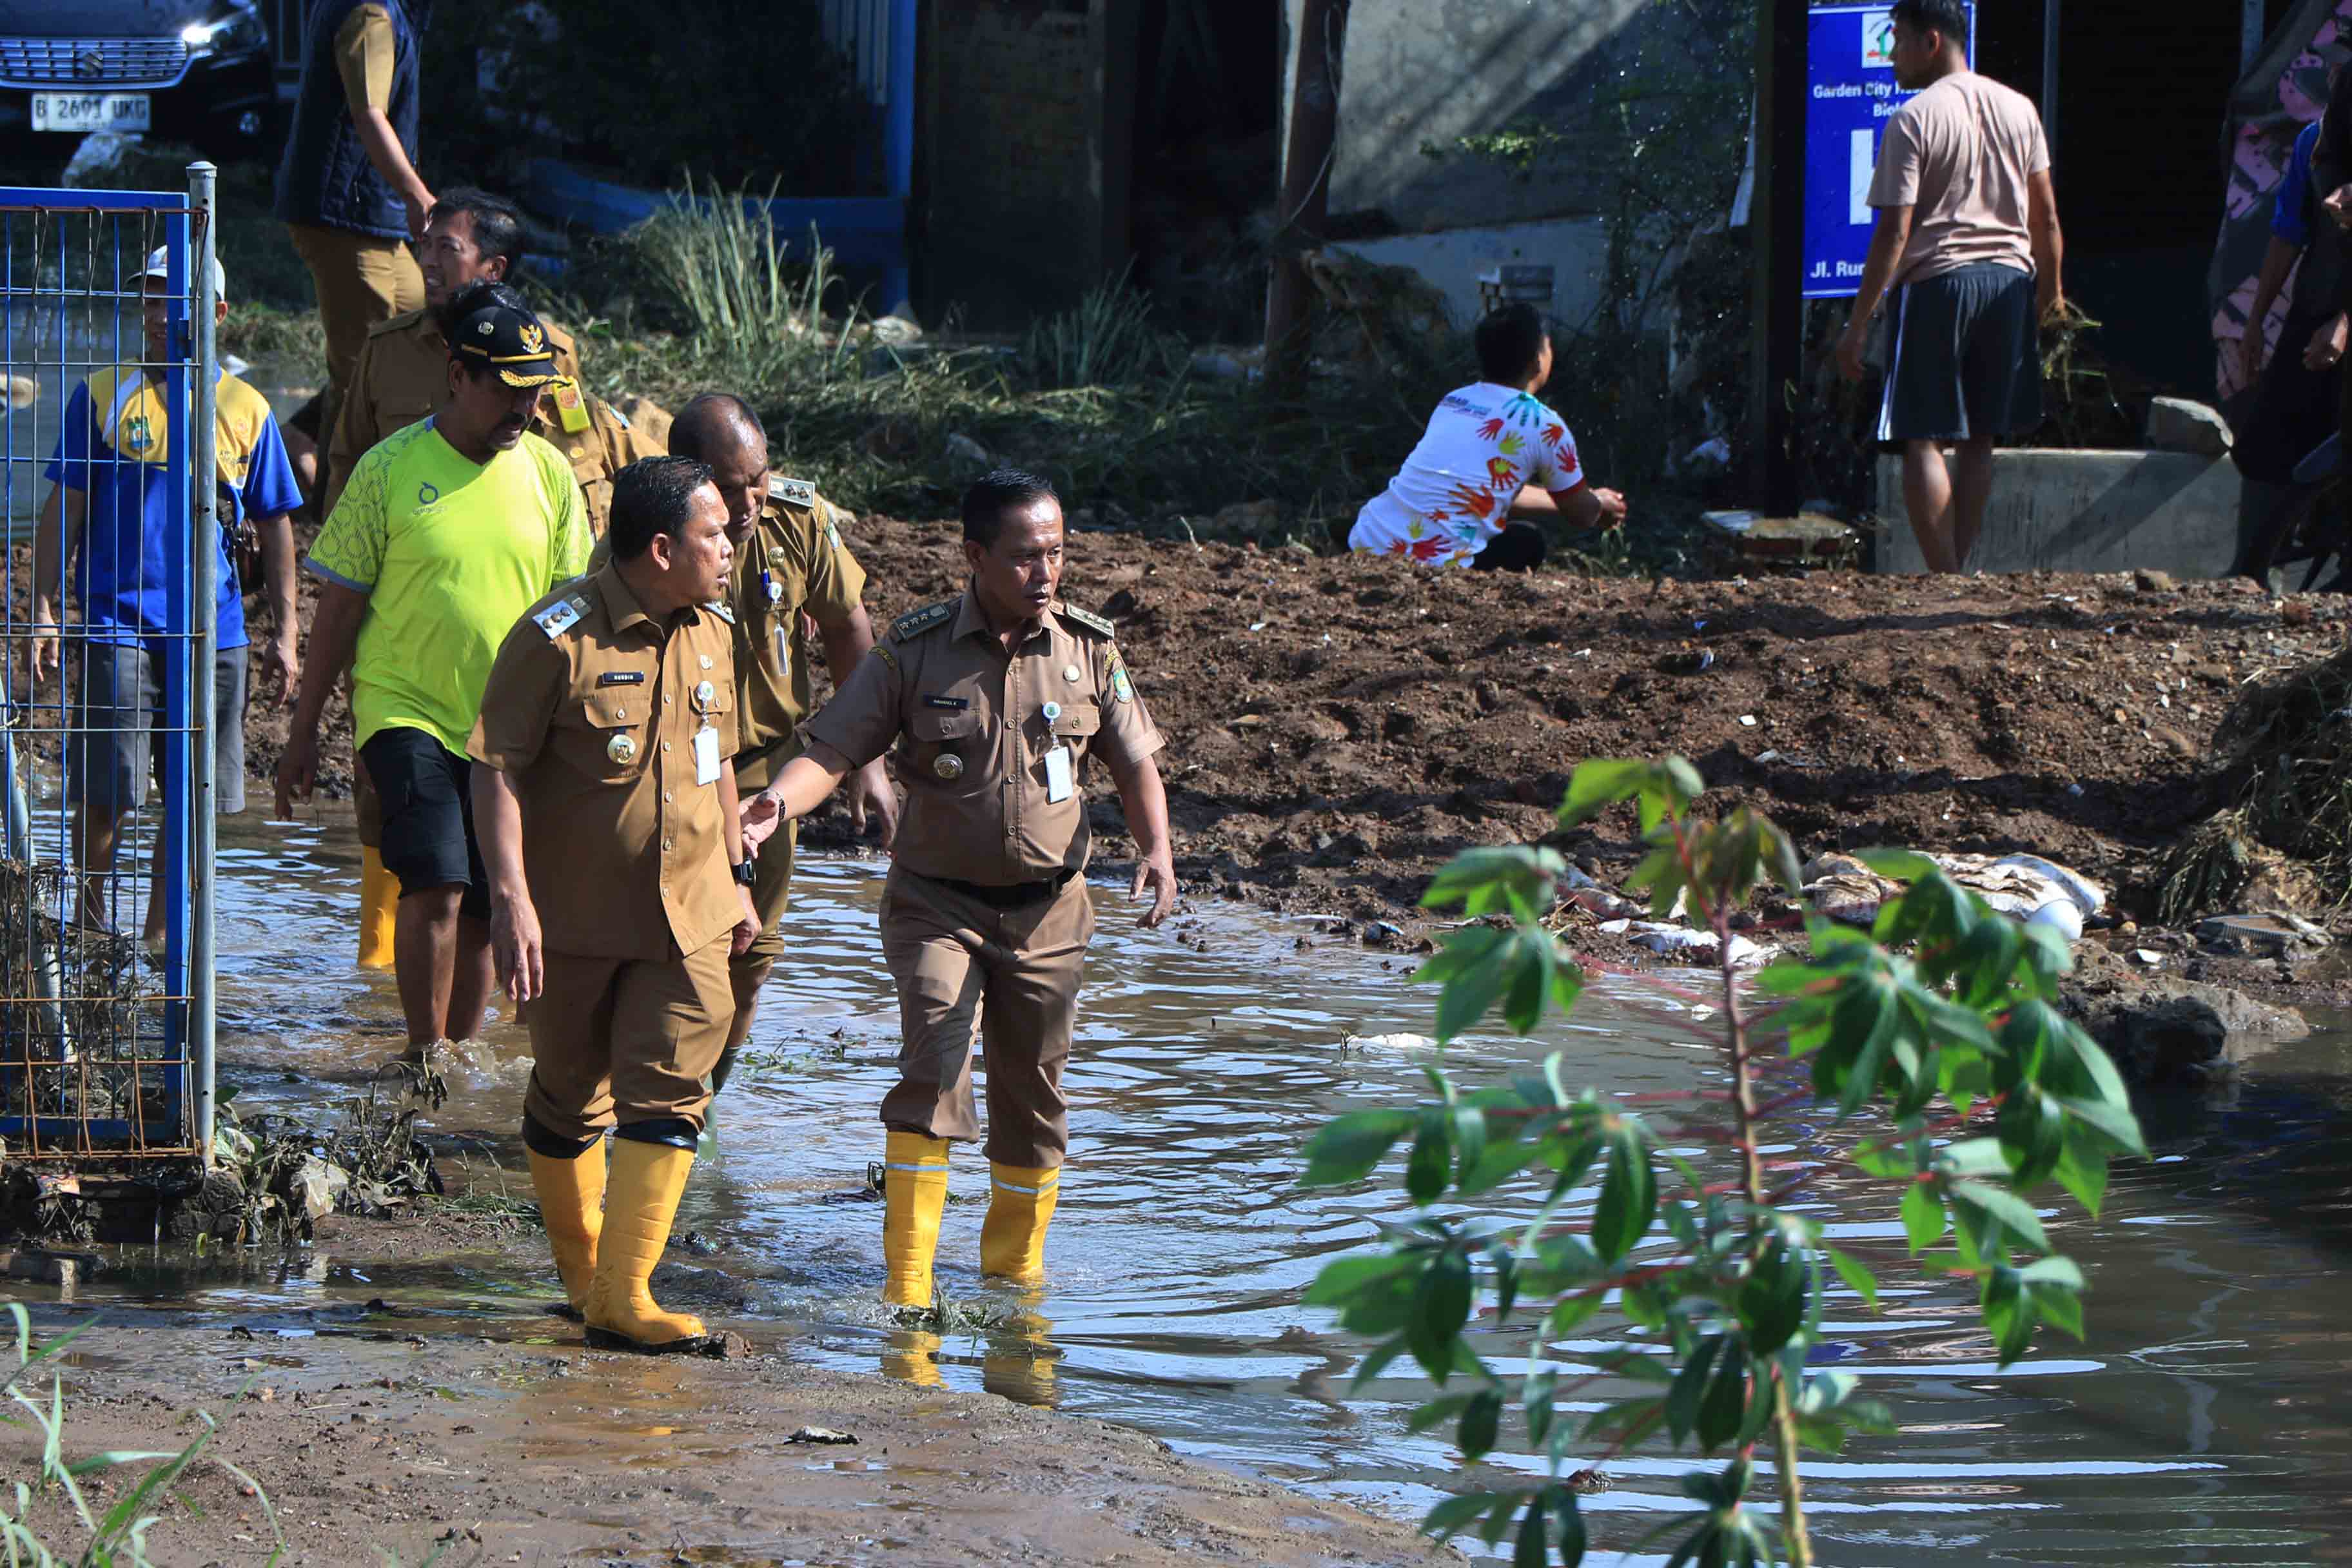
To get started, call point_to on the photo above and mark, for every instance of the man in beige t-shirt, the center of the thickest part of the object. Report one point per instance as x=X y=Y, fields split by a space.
x=1968 y=241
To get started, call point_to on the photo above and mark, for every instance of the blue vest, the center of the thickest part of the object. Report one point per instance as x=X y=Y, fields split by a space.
x=325 y=179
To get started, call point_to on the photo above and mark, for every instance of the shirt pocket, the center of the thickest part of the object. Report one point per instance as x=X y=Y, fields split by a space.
x=1077 y=721
x=614 y=735
x=946 y=754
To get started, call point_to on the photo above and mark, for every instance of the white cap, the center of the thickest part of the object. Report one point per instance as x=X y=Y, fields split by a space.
x=159 y=265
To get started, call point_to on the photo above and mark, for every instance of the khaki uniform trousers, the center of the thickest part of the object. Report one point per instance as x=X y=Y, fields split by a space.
x=956 y=958
x=361 y=280
x=770 y=893
x=620 y=1040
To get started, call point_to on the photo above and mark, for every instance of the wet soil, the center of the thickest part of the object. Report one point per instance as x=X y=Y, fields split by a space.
x=1340 y=728
x=374 y=1444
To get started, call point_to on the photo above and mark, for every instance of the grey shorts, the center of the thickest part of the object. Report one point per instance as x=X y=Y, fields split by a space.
x=1966 y=357
x=119 y=707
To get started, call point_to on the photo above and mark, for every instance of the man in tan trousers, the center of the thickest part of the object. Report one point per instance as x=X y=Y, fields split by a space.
x=995 y=699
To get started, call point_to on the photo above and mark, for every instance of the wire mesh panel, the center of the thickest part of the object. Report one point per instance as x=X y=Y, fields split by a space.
x=106 y=626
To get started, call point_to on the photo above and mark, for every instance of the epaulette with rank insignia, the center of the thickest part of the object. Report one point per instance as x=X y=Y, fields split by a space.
x=791 y=492
x=562 y=616
x=918 y=621
x=719 y=607
x=1089 y=620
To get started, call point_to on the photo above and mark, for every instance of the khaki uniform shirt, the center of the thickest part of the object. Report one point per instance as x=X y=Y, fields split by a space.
x=974 y=736
x=403 y=369
x=792 y=561
x=593 y=708
x=365 y=53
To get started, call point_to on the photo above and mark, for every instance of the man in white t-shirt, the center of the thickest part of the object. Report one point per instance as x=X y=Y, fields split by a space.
x=1491 y=454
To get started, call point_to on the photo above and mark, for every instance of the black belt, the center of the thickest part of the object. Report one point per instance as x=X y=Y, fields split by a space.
x=1009 y=895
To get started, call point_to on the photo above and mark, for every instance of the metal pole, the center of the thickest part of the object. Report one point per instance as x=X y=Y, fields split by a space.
x=2251 y=30
x=2050 y=74
x=899 y=143
x=1776 y=220
x=205 y=538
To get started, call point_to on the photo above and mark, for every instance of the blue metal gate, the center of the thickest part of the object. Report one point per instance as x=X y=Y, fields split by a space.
x=106 y=720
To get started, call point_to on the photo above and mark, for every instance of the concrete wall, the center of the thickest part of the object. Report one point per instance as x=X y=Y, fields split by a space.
x=1028 y=117
x=1422 y=72
x=1452 y=259
x=2055 y=510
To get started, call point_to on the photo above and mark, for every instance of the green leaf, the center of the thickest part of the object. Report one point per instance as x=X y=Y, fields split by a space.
x=1440 y=1306
x=1454 y=1514
x=1483 y=880
x=1861 y=1025
x=1600 y=783
x=1897 y=864
x=1690 y=1386
x=1343 y=1280
x=1377 y=1362
x=1568 y=1524
x=2054 y=1270
x=1425 y=1172
x=1772 y=1298
x=1533 y=1548
x=1629 y=1194
x=2013 y=1213
x=1481 y=1420
x=1469 y=1138
x=1476 y=982
x=1781 y=858
x=1347 y=1148
x=1720 y=1412
x=2007 y=1313
x=1862 y=1281
x=2082 y=1170
x=1570 y=1313
x=1437 y=1412
x=1536 y=1397
x=1924 y=1217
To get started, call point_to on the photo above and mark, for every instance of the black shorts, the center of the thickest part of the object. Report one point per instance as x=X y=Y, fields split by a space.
x=428 y=816
x=1966 y=359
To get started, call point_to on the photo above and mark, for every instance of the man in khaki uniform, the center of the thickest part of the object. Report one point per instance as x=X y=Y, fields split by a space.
x=474 y=237
x=347 y=186
x=789 y=561
x=996 y=699
x=609 y=829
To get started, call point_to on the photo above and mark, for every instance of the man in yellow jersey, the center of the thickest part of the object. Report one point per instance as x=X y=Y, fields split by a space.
x=448 y=530
x=107 y=514
x=471 y=237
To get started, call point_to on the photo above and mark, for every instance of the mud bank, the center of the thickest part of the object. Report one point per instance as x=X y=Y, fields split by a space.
x=375 y=1442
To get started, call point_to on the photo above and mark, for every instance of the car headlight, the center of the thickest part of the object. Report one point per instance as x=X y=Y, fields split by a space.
x=240 y=27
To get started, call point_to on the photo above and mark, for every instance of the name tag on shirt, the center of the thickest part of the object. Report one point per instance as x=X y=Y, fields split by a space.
x=1058 y=780
x=705 y=755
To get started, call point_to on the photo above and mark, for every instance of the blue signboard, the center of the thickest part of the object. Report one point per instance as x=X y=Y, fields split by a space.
x=1850 y=92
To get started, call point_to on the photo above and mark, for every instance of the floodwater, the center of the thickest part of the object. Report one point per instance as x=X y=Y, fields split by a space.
x=2206 y=1419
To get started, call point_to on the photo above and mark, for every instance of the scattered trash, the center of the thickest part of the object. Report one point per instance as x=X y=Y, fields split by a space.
x=1667 y=941
x=2148 y=957
x=1387 y=1043
x=820 y=1434
x=1748 y=721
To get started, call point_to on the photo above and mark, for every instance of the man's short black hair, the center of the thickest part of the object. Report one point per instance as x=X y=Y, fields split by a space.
x=497 y=223
x=708 y=418
x=997 y=493
x=651 y=496
x=1509 y=342
x=465 y=302
x=1948 y=18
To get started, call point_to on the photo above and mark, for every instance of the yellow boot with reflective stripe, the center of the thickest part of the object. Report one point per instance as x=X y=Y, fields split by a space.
x=640 y=1205
x=379 y=908
x=914 y=1192
x=571 y=1206
x=1020 y=1206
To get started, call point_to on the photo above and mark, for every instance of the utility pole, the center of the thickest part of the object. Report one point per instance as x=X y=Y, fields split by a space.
x=1776 y=216
x=1306 y=187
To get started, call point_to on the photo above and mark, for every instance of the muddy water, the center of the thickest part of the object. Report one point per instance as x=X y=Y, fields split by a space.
x=2205 y=1420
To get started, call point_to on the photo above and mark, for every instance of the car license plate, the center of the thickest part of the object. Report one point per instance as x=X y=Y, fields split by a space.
x=89 y=112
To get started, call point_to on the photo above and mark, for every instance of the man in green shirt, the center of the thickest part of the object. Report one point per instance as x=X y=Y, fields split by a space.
x=448 y=530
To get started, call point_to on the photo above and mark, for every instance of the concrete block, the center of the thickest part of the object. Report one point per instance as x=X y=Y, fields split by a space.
x=2054 y=510
x=1452 y=259
x=2177 y=425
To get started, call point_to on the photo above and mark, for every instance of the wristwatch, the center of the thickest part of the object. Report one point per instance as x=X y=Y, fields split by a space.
x=745 y=871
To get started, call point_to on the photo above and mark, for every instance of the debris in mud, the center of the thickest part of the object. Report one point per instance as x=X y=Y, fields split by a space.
x=820 y=1434
x=2166 y=1030
x=88 y=1043
x=289 y=1177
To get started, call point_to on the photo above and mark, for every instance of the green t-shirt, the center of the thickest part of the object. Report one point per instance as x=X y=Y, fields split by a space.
x=450 y=554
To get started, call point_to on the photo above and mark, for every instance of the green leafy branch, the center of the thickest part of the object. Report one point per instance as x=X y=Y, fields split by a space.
x=1939 y=1019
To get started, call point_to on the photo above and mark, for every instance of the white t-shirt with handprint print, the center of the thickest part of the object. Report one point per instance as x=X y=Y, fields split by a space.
x=1455 y=492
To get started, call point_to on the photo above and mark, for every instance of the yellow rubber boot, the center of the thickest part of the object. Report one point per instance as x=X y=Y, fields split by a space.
x=379 y=907
x=914 y=1192
x=640 y=1204
x=913 y=1358
x=1020 y=1206
x=572 y=1205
